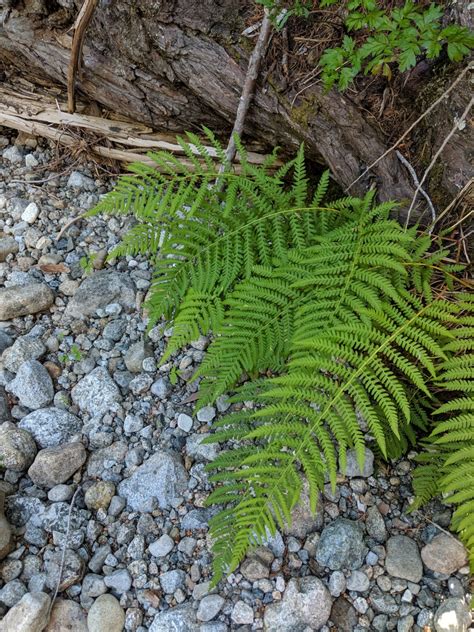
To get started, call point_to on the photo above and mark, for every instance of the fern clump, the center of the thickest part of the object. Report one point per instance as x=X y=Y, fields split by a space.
x=327 y=308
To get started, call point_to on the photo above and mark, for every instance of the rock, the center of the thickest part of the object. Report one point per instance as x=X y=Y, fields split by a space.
x=13 y=154
x=343 y=615
x=341 y=545
x=100 y=460
x=98 y=290
x=444 y=554
x=209 y=607
x=185 y=422
x=119 y=581
x=32 y=385
x=20 y=300
x=337 y=583
x=179 y=619
x=352 y=469
x=242 y=614
x=78 y=180
x=306 y=603
x=96 y=392
x=17 y=447
x=375 y=524
x=403 y=559
x=12 y=592
x=51 y=427
x=358 y=582
x=253 y=568
x=67 y=616
x=383 y=603
x=135 y=355
x=303 y=520
x=172 y=580
x=54 y=466
x=105 y=615
x=161 y=388
x=162 y=546
x=160 y=480
x=201 y=451
x=5 y=341
x=8 y=246
x=99 y=495
x=452 y=616
x=405 y=624
x=31 y=213
x=206 y=414
x=23 y=349
x=92 y=586
x=6 y=538
x=30 y=614
x=72 y=571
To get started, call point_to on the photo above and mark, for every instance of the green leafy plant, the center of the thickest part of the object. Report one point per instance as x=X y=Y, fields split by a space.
x=377 y=39
x=327 y=306
x=87 y=263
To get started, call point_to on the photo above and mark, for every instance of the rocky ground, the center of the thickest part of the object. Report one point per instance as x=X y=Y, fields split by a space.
x=91 y=420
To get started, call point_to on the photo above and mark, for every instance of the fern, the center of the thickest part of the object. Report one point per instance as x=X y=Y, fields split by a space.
x=447 y=465
x=330 y=309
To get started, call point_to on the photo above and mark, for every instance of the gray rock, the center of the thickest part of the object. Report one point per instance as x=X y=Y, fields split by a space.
x=140 y=384
x=135 y=355
x=196 y=519
x=162 y=546
x=172 y=580
x=60 y=493
x=99 y=495
x=242 y=614
x=185 y=422
x=303 y=520
x=132 y=424
x=96 y=392
x=352 y=468
x=67 y=616
x=98 y=290
x=403 y=559
x=51 y=426
x=106 y=615
x=344 y=615
x=306 y=603
x=160 y=480
x=8 y=246
x=20 y=300
x=201 y=451
x=452 y=616
x=161 y=388
x=99 y=557
x=253 y=568
x=17 y=447
x=337 y=583
x=6 y=539
x=341 y=545
x=115 y=329
x=5 y=341
x=206 y=414
x=383 y=603
x=455 y=587
x=93 y=586
x=23 y=349
x=405 y=624
x=117 y=505
x=30 y=614
x=209 y=607
x=13 y=154
x=31 y=213
x=53 y=466
x=375 y=524
x=358 y=582
x=12 y=592
x=119 y=581
x=78 y=180
x=444 y=554
x=32 y=385
x=179 y=619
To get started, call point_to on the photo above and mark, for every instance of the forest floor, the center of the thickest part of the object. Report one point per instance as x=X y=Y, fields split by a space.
x=86 y=407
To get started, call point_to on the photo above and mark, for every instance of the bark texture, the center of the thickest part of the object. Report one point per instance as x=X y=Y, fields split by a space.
x=180 y=64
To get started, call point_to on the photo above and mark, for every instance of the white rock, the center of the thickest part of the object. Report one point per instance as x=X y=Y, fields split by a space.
x=105 y=615
x=162 y=546
x=242 y=614
x=30 y=614
x=185 y=422
x=30 y=214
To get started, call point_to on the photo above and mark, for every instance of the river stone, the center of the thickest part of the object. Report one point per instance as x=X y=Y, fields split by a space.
x=209 y=607
x=375 y=525
x=53 y=466
x=403 y=559
x=32 y=385
x=242 y=614
x=8 y=246
x=20 y=300
x=67 y=616
x=444 y=554
x=51 y=426
x=98 y=290
x=179 y=619
x=96 y=392
x=306 y=603
x=343 y=615
x=105 y=615
x=5 y=341
x=72 y=571
x=17 y=447
x=30 y=614
x=23 y=349
x=341 y=545
x=162 y=546
x=6 y=539
x=172 y=580
x=452 y=616
x=160 y=480
x=303 y=520
x=135 y=355
x=99 y=495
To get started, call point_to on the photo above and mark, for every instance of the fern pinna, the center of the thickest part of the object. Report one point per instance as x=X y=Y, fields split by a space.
x=332 y=301
x=447 y=464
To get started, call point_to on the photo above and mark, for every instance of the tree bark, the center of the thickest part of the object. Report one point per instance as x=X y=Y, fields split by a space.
x=180 y=64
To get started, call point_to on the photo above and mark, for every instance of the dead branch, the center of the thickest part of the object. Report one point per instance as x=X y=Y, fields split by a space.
x=80 y=27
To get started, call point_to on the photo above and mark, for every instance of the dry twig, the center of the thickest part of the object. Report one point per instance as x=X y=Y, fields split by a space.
x=412 y=172
x=80 y=27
